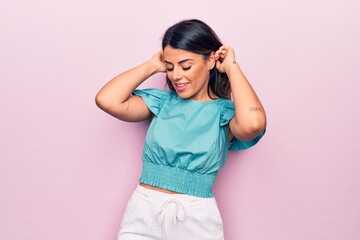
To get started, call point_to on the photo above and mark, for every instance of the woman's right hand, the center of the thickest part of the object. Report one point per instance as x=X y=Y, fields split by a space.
x=158 y=63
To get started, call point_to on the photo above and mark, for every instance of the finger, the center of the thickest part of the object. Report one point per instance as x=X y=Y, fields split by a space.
x=218 y=65
x=218 y=54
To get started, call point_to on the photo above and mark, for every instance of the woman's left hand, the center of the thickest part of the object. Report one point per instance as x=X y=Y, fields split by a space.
x=224 y=57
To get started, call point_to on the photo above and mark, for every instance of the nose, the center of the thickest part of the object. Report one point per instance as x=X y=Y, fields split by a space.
x=176 y=73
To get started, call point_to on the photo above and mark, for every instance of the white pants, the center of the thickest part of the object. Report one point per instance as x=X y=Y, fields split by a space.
x=154 y=215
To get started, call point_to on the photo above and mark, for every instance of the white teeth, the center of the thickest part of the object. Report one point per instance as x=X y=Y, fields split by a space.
x=181 y=85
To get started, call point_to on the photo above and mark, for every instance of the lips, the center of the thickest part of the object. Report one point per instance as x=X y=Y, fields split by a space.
x=180 y=86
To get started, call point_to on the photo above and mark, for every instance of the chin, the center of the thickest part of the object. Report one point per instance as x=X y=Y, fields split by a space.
x=183 y=95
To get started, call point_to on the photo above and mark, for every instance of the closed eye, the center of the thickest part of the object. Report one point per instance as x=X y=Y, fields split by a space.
x=185 y=69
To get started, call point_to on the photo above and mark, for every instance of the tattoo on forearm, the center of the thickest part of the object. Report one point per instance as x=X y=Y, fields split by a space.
x=255 y=109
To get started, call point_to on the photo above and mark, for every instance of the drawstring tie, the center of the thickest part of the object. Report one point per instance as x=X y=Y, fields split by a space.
x=179 y=214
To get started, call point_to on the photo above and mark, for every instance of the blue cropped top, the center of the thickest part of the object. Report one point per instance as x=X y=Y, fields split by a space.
x=187 y=142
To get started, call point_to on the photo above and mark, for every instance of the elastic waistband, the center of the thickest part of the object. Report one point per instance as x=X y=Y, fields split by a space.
x=178 y=180
x=160 y=197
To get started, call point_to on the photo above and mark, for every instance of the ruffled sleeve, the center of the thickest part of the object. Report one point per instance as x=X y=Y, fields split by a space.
x=227 y=113
x=153 y=98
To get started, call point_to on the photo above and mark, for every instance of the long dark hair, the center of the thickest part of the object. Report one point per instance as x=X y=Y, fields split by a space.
x=196 y=36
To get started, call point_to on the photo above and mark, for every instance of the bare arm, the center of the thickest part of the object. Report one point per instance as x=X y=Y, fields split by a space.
x=250 y=117
x=115 y=97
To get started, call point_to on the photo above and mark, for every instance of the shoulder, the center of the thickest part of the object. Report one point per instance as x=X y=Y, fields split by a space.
x=154 y=98
x=227 y=111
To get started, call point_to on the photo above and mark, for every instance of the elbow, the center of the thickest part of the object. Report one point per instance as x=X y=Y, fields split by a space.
x=250 y=131
x=251 y=134
x=99 y=100
x=258 y=126
x=110 y=106
x=102 y=102
x=257 y=130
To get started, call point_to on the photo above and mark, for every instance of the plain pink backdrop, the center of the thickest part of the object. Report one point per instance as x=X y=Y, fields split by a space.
x=67 y=169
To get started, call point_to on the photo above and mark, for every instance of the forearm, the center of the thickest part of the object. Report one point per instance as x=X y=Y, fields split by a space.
x=119 y=89
x=250 y=117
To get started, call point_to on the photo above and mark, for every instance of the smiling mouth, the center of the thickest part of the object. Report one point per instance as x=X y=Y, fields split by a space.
x=180 y=86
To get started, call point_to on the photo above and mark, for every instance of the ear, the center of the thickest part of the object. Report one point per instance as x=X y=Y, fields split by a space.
x=211 y=61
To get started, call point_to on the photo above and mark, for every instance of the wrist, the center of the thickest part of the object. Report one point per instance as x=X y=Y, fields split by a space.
x=231 y=65
x=152 y=68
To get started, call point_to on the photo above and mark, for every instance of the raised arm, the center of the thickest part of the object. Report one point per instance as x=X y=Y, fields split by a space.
x=115 y=97
x=250 y=117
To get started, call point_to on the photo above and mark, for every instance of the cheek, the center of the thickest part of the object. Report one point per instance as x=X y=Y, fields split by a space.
x=199 y=74
x=169 y=75
x=203 y=75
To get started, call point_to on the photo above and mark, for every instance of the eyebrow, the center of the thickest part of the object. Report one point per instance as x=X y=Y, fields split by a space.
x=182 y=61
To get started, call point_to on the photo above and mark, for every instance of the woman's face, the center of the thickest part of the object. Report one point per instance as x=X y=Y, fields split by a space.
x=188 y=72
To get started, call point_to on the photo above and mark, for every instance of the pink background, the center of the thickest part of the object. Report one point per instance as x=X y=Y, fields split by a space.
x=67 y=169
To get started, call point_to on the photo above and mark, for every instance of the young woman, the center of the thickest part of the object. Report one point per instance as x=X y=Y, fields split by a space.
x=193 y=125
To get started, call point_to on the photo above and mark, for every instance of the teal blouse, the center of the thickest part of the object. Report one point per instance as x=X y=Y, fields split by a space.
x=187 y=142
